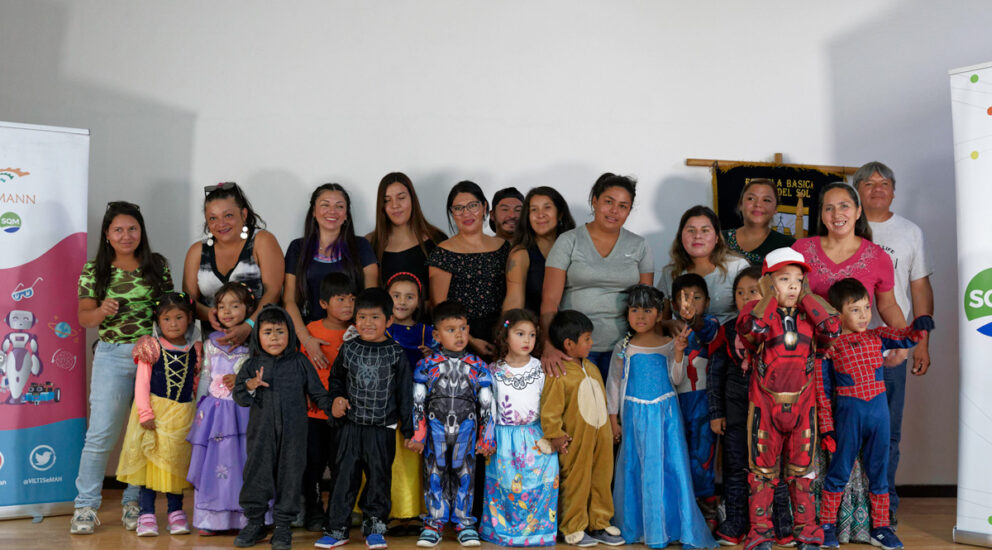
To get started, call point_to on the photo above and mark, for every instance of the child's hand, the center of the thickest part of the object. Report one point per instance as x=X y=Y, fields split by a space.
x=718 y=425
x=340 y=407
x=253 y=383
x=424 y=350
x=767 y=286
x=228 y=381
x=414 y=446
x=560 y=444
x=148 y=424
x=485 y=450
x=682 y=340
x=615 y=426
x=827 y=442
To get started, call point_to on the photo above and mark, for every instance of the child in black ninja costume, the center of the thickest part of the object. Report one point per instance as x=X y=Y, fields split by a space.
x=275 y=382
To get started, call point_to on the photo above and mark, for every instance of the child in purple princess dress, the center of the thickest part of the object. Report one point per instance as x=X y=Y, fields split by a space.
x=218 y=433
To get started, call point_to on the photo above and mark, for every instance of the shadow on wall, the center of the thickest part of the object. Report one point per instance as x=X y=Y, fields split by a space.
x=122 y=167
x=894 y=106
x=669 y=205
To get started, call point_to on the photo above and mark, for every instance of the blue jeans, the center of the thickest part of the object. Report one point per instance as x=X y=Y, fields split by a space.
x=895 y=392
x=111 y=394
x=602 y=360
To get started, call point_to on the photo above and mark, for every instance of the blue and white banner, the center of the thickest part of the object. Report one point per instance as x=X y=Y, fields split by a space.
x=43 y=191
x=971 y=107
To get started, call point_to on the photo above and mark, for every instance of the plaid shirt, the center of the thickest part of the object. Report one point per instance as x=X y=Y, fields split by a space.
x=853 y=367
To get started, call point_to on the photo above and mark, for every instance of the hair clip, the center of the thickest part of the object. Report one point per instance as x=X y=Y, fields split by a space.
x=506 y=324
x=420 y=287
x=248 y=288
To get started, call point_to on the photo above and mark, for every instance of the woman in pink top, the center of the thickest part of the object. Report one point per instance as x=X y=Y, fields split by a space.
x=843 y=248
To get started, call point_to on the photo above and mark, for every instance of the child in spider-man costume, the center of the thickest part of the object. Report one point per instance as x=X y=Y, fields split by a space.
x=852 y=373
x=782 y=331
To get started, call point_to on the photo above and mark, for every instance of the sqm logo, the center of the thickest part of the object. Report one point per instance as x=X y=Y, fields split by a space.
x=10 y=222
x=42 y=458
x=978 y=299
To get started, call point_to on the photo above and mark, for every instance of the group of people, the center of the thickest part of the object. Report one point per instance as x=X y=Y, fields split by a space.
x=543 y=351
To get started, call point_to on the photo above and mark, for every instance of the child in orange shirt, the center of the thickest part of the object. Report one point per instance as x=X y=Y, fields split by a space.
x=337 y=298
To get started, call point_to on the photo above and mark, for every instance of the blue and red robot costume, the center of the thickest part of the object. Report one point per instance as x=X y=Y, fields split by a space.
x=851 y=372
x=452 y=412
x=782 y=404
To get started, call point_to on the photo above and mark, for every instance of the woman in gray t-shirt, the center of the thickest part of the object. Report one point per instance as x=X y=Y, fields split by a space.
x=590 y=266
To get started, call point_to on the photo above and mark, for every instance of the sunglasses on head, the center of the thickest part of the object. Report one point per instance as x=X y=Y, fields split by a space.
x=225 y=186
x=123 y=204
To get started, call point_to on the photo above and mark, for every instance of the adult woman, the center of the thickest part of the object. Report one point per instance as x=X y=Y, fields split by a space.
x=471 y=266
x=328 y=245
x=546 y=216
x=699 y=248
x=843 y=248
x=757 y=206
x=237 y=249
x=590 y=266
x=117 y=294
x=402 y=238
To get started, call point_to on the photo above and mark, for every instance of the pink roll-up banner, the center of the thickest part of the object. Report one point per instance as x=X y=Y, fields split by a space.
x=43 y=192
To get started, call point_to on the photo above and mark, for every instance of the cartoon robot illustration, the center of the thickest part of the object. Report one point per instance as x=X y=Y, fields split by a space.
x=19 y=352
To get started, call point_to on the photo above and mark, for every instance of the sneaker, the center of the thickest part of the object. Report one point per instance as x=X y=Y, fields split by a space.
x=807 y=546
x=724 y=539
x=129 y=515
x=787 y=541
x=178 y=524
x=313 y=520
x=429 y=538
x=328 y=541
x=830 y=536
x=469 y=537
x=206 y=532
x=886 y=538
x=375 y=541
x=580 y=539
x=764 y=545
x=84 y=520
x=250 y=535
x=282 y=537
x=609 y=536
x=147 y=526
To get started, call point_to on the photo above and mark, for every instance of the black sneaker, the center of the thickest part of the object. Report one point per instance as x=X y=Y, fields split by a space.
x=282 y=537
x=314 y=520
x=250 y=535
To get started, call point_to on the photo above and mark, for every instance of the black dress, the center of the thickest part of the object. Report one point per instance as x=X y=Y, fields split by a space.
x=535 y=279
x=478 y=282
x=412 y=260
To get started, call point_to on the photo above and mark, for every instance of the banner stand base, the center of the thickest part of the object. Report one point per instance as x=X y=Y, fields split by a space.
x=972 y=538
x=37 y=510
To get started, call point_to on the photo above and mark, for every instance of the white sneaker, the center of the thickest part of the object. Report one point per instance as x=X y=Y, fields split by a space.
x=84 y=521
x=129 y=515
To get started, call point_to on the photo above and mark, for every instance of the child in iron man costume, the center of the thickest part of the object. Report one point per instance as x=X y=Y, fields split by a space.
x=783 y=331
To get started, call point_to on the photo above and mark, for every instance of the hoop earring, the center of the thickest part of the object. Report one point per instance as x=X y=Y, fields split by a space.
x=244 y=232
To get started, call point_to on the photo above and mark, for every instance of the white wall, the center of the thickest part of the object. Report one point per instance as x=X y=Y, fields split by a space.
x=284 y=96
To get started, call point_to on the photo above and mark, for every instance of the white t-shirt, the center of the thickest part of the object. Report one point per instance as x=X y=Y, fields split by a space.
x=903 y=241
x=719 y=285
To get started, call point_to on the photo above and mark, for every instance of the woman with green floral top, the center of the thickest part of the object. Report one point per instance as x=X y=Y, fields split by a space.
x=117 y=295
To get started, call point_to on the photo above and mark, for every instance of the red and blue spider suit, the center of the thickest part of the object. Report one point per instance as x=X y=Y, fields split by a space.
x=782 y=404
x=852 y=373
x=452 y=417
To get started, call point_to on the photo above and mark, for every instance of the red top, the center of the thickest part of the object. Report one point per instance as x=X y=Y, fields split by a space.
x=335 y=338
x=869 y=264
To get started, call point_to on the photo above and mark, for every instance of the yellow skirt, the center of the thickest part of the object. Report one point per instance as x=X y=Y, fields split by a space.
x=408 y=474
x=158 y=459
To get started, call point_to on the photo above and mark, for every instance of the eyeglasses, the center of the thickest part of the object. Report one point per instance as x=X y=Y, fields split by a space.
x=123 y=205
x=225 y=186
x=472 y=207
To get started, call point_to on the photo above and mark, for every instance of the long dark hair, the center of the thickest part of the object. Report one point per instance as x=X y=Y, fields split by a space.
x=501 y=336
x=346 y=245
x=681 y=261
x=525 y=236
x=231 y=190
x=151 y=265
x=861 y=227
x=421 y=227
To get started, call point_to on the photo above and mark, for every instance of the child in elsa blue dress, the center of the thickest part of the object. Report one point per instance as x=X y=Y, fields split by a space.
x=652 y=491
x=521 y=498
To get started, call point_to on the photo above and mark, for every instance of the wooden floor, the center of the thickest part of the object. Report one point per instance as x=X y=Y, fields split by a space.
x=923 y=523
